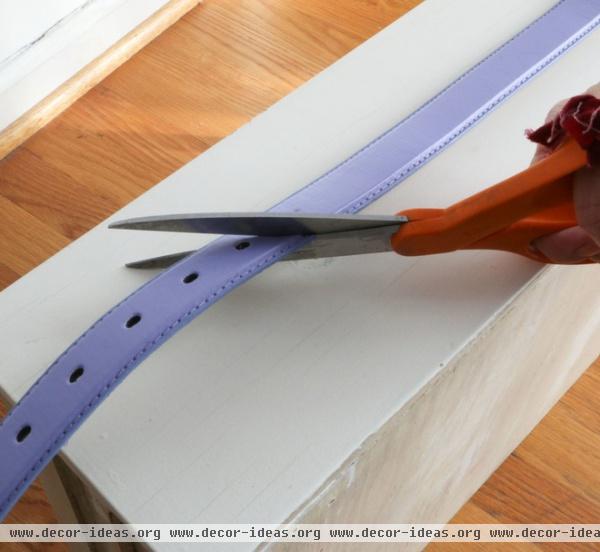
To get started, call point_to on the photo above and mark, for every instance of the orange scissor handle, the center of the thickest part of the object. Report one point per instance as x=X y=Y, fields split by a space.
x=507 y=216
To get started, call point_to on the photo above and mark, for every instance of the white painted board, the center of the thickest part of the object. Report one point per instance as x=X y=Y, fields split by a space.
x=242 y=415
x=25 y=21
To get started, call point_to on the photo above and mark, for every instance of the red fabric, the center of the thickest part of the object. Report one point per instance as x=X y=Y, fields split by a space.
x=579 y=119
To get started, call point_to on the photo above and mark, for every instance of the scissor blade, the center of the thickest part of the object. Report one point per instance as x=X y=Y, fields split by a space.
x=259 y=224
x=334 y=244
x=341 y=244
x=164 y=261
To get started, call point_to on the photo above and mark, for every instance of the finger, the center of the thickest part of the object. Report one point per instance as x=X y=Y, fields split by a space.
x=594 y=90
x=586 y=197
x=567 y=246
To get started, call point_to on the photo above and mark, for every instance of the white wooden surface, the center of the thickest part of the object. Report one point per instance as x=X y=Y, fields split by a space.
x=25 y=21
x=43 y=44
x=244 y=414
x=428 y=459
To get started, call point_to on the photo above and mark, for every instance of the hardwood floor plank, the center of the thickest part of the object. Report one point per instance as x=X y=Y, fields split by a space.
x=25 y=241
x=113 y=146
x=7 y=276
x=50 y=195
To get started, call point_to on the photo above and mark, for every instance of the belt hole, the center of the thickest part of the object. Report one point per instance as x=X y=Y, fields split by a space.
x=23 y=433
x=242 y=245
x=190 y=278
x=76 y=374
x=133 y=321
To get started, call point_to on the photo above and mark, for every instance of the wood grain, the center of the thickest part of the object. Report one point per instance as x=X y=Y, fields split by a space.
x=208 y=74
x=56 y=102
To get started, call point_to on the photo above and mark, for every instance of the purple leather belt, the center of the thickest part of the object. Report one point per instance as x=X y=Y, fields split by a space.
x=61 y=399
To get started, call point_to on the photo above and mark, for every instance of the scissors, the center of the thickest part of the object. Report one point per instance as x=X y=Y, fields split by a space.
x=507 y=216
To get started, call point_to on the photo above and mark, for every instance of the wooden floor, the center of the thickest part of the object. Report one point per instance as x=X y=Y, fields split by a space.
x=222 y=64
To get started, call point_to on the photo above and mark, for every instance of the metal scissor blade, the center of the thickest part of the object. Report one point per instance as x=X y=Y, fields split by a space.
x=334 y=244
x=164 y=261
x=341 y=244
x=259 y=224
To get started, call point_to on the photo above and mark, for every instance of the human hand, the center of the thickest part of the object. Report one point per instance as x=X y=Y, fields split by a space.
x=582 y=241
